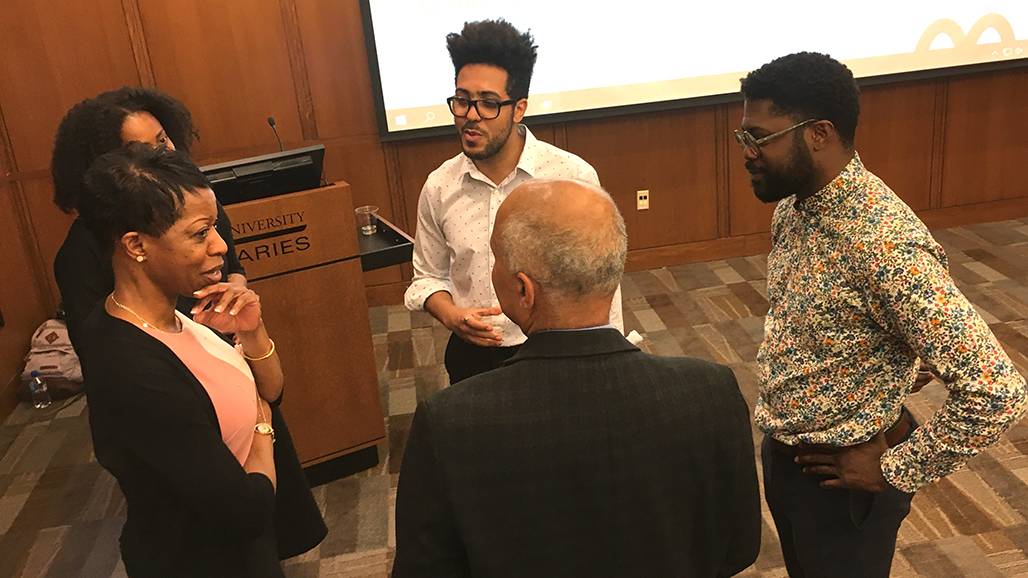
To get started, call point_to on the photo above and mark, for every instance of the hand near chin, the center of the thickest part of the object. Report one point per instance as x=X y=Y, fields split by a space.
x=228 y=308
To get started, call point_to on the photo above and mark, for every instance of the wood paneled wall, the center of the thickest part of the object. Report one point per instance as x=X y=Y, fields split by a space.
x=950 y=147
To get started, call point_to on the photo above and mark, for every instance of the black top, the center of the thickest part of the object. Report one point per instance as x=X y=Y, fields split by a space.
x=581 y=456
x=192 y=509
x=85 y=275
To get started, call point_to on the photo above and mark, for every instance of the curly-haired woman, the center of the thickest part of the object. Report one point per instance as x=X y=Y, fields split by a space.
x=92 y=128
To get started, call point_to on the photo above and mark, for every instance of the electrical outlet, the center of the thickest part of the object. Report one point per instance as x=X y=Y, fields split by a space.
x=642 y=200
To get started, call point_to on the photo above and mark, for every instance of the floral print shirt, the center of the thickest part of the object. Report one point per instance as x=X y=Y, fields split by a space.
x=859 y=291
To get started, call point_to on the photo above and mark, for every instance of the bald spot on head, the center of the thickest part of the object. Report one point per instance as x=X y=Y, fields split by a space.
x=559 y=206
x=567 y=235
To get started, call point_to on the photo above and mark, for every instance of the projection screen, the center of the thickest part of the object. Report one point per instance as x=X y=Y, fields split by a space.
x=602 y=58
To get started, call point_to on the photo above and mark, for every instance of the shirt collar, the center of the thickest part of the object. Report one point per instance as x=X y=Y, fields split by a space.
x=527 y=162
x=529 y=159
x=835 y=191
x=558 y=344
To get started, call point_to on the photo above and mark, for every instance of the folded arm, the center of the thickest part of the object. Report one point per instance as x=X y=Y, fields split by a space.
x=915 y=299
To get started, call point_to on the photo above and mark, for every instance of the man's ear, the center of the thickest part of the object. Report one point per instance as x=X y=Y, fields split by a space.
x=132 y=244
x=519 y=109
x=527 y=290
x=822 y=132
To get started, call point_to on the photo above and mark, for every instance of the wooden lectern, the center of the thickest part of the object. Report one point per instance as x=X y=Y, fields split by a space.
x=301 y=256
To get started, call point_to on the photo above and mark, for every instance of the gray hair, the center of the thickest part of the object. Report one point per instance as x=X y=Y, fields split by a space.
x=575 y=262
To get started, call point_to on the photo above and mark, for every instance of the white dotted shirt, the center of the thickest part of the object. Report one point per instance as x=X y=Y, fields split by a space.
x=456 y=213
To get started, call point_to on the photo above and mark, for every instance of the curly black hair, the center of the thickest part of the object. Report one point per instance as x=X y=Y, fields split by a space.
x=93 y=127
x=808 y=85
x=495 y=42
x=137 y=187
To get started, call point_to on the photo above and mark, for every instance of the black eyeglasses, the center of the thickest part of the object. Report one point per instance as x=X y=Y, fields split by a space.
x=486 y=108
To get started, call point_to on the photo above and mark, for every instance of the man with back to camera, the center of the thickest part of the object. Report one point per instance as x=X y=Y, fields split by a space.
x=581 y=455
x=859 y=292
x=493 y=64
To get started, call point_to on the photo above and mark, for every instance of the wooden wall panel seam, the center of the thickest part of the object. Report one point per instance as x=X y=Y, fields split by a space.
x=938 y=144
x=26 y=228
x=137 y=37
x=394 y=182
x=560 y=136
x=298 y=66
x=8 y=164
x=721 y=167
x=28 y=233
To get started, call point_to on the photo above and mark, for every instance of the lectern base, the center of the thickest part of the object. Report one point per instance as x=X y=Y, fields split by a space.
x=342 y=466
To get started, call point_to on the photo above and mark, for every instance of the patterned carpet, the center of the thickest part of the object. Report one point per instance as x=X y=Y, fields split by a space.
x=60 y=513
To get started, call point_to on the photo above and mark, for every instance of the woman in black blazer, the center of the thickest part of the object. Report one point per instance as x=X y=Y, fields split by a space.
x=178 y=416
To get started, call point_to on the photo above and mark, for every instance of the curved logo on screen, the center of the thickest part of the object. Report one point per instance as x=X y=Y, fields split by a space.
x=949 y=28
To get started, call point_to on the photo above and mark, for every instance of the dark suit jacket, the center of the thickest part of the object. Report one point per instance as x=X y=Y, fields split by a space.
x=192 y=509
x=582 y=456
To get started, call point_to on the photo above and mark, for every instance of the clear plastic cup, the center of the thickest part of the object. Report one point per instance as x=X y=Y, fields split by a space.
x=367 y=219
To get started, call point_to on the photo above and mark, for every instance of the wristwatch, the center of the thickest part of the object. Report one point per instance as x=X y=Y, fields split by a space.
x=264 y=428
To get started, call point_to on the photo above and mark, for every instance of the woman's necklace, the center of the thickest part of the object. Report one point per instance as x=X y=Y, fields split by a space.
x=144 y=322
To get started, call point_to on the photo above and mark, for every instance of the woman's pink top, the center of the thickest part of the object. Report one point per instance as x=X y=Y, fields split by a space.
x=224 y=374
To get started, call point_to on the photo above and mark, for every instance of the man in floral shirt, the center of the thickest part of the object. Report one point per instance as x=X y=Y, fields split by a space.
x=859 y=295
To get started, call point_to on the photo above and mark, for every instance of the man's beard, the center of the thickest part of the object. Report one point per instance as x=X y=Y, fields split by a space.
x=492 y=146
x=794 y=177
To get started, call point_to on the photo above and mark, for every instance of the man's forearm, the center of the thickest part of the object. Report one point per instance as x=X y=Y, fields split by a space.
x=440 y=305
x=959 y=430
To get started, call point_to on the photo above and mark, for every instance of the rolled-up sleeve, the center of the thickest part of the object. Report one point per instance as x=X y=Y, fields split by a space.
x=915 y=298
x=431 y=256
x=588 y=174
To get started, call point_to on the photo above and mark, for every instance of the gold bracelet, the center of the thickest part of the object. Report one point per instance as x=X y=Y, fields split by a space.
x=263 y=357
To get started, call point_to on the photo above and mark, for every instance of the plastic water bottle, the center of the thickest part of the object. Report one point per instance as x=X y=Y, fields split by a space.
x=40 y=394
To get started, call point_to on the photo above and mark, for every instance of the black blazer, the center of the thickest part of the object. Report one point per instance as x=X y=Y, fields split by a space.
x=192 y=509
x=85 y=276
x=581 y=456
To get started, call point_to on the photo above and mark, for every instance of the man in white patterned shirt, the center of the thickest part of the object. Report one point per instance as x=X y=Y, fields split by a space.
x=493 y=64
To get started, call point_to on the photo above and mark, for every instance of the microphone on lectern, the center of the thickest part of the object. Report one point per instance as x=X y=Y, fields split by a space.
x=271 y=123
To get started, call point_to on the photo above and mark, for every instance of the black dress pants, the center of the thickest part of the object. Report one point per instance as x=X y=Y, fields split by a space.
x=828 y=533
x=465 y=359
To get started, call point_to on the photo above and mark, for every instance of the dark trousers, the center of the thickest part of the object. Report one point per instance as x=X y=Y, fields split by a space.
x=464 y=359
x=827 y=533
